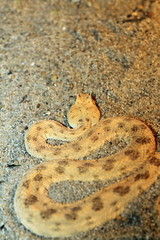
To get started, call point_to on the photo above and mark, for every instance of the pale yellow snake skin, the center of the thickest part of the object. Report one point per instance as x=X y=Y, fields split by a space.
x=46 y=217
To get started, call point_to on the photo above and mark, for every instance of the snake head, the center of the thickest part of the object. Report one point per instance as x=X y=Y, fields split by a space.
x=84 y=108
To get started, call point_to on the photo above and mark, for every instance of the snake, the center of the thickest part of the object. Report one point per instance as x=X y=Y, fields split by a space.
x=137 y=165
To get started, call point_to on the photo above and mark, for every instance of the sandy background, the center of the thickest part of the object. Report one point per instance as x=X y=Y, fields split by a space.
x=49 y=51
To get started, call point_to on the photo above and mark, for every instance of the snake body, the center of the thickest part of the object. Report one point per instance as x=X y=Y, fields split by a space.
x=138 y=160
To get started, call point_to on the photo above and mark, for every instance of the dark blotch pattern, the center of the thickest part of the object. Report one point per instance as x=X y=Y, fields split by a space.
x=28 y=138
x=134 y=128
x=142 y=176
x=72 y=216
x=41 y=167
x=45 y=204
x=96 y=177
x=155 y=161
x=38 y=177
x=87 y=119
x=88 y=164
x=60 y=169
x=94 y=138
x=81 y=120
x=50 y=126
x=77 y=208
x=63 y=162
x=143 y=140
x=42 y=147
x=121 y=190
x=97 y=204
x=57 y=151
x=47 y=214
x=106 y=129
x=34 y=139
x=30 y=200
x=114 y=203
x=38 y=128
x=109 y=164
x=76 y=147
x=133 y=154
x=26 y=184
x=82 y=169
x=121 y=125
x=57 y=223
x=72 y=133
x=90 y=133
x=123 y=168
x=107 y=121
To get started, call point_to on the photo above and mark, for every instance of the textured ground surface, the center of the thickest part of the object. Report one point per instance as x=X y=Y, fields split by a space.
x=49 y=51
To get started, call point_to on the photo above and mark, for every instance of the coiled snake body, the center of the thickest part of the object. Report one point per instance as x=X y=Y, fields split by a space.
x=46 y=217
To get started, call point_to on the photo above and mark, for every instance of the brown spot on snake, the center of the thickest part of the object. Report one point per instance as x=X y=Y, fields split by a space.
x=121 y=190
x=133 y=154
x=30 y=200
x=143 y=140
x=38 y=177
x=47 y=214
x=97 y=204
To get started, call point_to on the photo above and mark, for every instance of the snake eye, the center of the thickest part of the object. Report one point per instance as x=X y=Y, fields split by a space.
x=88 y=96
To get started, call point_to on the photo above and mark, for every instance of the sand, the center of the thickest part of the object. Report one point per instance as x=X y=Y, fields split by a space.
x=50 y=51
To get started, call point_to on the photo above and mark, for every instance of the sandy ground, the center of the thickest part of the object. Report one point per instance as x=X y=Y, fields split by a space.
x=51 y=50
